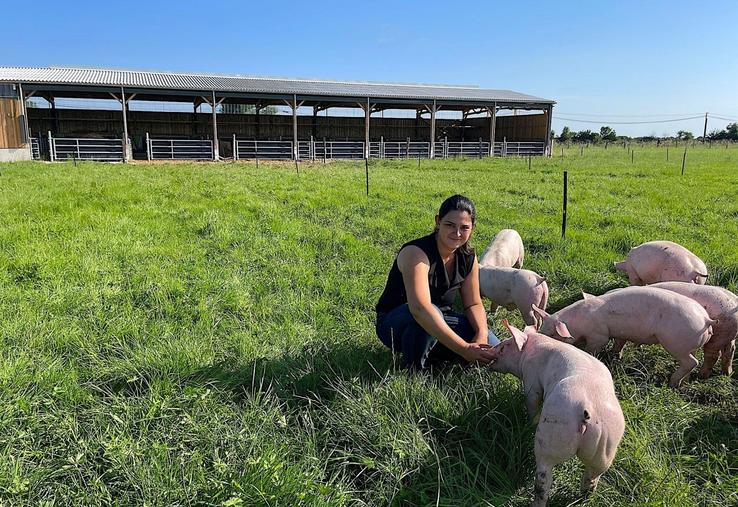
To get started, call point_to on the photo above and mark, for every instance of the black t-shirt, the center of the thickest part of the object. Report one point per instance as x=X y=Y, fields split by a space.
x=443 y=289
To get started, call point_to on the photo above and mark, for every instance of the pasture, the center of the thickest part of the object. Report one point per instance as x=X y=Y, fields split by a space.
x=202 y=334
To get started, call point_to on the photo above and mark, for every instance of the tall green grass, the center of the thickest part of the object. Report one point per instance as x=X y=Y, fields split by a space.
x=202 y=334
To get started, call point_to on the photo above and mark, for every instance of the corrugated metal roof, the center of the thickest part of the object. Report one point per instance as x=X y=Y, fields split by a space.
x=248 y=84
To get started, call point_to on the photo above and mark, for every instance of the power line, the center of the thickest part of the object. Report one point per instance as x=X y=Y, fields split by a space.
x=631 y=115
x=601 y=122
x=722 y=118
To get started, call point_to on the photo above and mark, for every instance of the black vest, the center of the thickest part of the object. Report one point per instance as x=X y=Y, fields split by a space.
x=443 y=289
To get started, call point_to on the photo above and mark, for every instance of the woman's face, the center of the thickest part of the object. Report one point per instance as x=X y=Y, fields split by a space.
x=454 y=228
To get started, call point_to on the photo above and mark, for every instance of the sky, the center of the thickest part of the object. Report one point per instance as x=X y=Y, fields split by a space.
x=604 y=62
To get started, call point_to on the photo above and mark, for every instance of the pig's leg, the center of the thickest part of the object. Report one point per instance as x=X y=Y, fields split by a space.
x=687 y=364
x=544 y=479
x=727 y=359
x=617 y=348
x=712 y=353
x=529 y=317
x=596 y=344
x=533 y=403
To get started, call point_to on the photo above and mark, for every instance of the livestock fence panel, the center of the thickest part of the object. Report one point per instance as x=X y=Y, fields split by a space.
x=266 y=150
x=467 y=149
x=179 y=149
x=35 y=149
x=339 y=149
x=103 y=150
x=519 y=149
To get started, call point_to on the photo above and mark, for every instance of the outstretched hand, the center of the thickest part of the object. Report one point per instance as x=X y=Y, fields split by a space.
x=479 y=353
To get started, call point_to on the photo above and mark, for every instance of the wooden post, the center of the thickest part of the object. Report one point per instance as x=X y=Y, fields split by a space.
x=632 y=156
x=367 y=116
x=492 y=128
x=684 y=160
x=704 y=132
x=381 y=146
x=563 y=218
x=529 y=162
x=325 y=151
x=51 y=148
x=216 y=146
x=549 y=119
x=445 y=146
x=432 y=150
x=294 y=129
x=125 y=124
x=148 y=147
x=407 y=148
x=667 y=153
x=235 y=148
x=480 y=148
x=366 y=166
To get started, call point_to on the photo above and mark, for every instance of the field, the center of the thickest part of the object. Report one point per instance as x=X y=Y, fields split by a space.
x=203 y=334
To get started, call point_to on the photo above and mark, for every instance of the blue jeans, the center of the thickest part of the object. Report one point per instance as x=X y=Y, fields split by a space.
x=399 y=331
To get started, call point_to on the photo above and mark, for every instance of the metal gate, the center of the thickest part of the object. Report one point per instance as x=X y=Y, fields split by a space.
x=179 y=149
x=265 y=150
x=104 y=150
x=35 y=149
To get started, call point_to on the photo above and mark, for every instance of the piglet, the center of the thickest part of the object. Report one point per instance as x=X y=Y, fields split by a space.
x=514 y=288
x=579 y=412
x=643 y=315
x=662 y=261
x=721 y=305
x=506 y=250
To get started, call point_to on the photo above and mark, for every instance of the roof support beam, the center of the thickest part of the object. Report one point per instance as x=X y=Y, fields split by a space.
x=492 y=111
x=434 y=109
x=549 y=114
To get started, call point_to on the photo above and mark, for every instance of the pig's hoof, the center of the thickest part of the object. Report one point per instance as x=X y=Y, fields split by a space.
x=704 y=374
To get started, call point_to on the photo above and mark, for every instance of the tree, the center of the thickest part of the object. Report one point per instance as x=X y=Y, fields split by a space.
x=608 y=134
x=685 y=135
x=566 y=135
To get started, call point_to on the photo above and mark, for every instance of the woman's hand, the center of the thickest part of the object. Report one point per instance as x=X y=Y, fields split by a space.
x=478 y=353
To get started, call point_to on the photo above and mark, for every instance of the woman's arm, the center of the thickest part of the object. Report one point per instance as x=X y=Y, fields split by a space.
x=473 y=307
x=414 y=266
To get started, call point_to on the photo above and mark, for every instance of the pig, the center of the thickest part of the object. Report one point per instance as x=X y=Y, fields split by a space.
x=505 y=250
x=643 y=315
x=571 y=396
x=662 y=261
x=721 y=305
x=514 y=288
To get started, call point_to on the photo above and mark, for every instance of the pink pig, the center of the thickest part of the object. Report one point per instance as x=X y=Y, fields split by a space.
x=514 y=288
x=505 y=250
x=662 y=261
x=579 y=412
x=721 y=305
x=637 y=314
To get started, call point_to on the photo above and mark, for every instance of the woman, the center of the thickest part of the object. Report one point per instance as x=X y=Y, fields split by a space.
x=414 y=313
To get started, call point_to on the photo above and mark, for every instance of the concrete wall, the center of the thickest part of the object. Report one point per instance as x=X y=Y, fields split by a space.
x=15 y=154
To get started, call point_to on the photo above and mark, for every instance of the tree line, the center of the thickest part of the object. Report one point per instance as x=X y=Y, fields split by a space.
x=607 y=134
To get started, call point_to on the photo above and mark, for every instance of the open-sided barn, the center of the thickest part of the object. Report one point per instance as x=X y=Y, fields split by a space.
x=229 y=118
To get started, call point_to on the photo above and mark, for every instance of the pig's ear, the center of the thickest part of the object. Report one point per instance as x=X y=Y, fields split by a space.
x=562 y=330
x=541 y=313
x=586 y=295
x=519 y=336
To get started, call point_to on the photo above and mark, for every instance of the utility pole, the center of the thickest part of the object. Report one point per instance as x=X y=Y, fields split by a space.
x=704 y=132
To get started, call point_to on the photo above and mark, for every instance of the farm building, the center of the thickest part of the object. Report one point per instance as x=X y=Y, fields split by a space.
x=57 y=113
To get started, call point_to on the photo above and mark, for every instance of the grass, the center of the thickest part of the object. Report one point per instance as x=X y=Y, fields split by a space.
x=202 y=334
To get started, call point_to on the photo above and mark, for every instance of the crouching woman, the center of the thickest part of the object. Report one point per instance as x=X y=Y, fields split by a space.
x=414 y=315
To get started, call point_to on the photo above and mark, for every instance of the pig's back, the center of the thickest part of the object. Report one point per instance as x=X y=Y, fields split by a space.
x=657 y=261
x=647 y=312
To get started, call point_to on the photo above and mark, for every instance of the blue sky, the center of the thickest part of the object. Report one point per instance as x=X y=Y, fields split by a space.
x=620 y=61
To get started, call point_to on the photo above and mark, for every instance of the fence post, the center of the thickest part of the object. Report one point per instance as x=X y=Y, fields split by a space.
x=684 y=159
x=148 y=147
x=77 y=143
x=381 y=146
x=445 y=147
x=563 y=218
x=325 y=151
x=311 y=149
x=480 y=148
x=504 y=146
x=235 y=148
x=171 y=149
x=407 y=148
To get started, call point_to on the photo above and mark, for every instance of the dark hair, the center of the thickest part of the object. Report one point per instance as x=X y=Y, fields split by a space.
x=459 y=202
